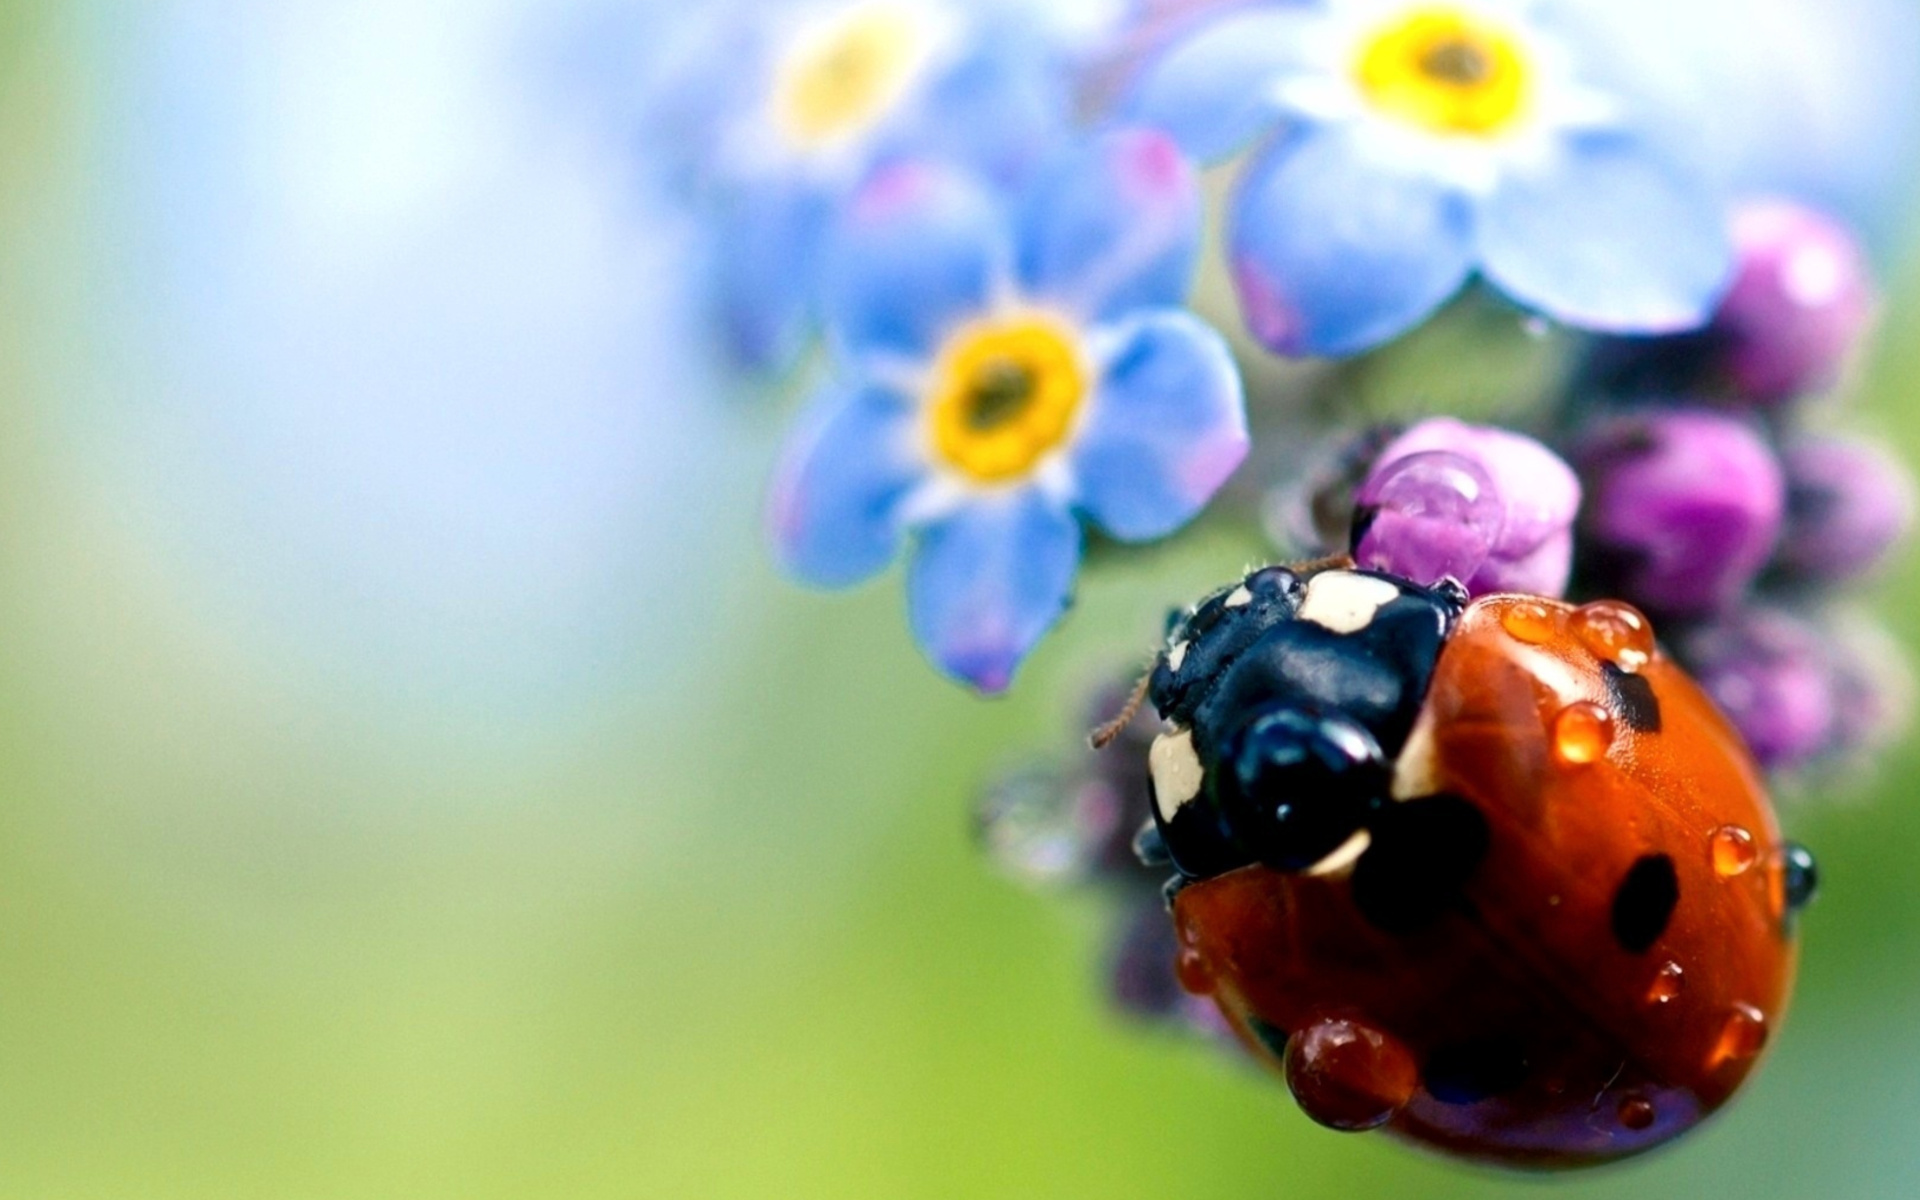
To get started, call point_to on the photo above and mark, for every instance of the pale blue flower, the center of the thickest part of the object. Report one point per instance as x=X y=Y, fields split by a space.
x=1415 y=144
x=1816 y=100
x=1003 y=369
x=774 y=115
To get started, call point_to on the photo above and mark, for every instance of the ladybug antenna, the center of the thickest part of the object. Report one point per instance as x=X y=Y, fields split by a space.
x=1313 y=566
x=1104 y=736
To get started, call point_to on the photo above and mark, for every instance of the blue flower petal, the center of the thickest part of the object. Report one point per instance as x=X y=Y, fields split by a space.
x=833 y=514
x=989 y=581
x=1335 y=252
x=1168 y=426
x=1609 y=238
x=766 y=269
x=1113 y=226
x=997 y=111
x=920 y=249
x=1212 y=91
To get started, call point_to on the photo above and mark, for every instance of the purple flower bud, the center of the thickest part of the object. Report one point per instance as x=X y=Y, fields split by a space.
x=1874 y=688
x=1801 y=299
x=1802 y=296
x=1427 y=517
x=1486 y=506
x=1770 y=674
x=1848 y=503
x=1802 y=693
x=1684 y=509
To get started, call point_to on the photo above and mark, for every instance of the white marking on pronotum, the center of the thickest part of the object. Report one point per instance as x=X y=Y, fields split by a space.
x=1176 y=656
x=1345 y=602
x=1415 y=773
x=1177 y=773
x=1240 y=597
x=1341 y=861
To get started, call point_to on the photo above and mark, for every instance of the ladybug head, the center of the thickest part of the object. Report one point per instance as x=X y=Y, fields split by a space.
x=1286 y=699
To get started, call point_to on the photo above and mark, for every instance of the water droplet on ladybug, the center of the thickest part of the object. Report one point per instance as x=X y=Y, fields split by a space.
x=1530 y=622
x=1741 y=1037
x=1582 y=733
x=1190 y=966
x=1192 y=971
x=1347 y=1075
x=1668 y=982
x=1615 y=633
x=1734 y=851
x=1637 y=1113
x=1801 y=877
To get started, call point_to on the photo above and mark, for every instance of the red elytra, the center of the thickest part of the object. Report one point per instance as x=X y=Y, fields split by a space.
x=1618 y=960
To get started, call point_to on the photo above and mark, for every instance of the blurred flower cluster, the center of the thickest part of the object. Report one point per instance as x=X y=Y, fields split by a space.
x=1463 y=289
x=1726 y=504
x=1698 y=476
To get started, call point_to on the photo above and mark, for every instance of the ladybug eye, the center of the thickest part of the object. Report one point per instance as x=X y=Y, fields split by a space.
x=1302 y=783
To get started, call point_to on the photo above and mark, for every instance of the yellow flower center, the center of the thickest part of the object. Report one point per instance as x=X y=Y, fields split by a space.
x=841 y=77
x=1005 y=393
x=1448 y=71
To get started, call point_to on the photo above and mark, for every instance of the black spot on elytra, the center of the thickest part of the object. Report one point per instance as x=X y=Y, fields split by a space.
x=1469 y=1072
x=1633 y=699
x=1644 y=904
x=1423 y=853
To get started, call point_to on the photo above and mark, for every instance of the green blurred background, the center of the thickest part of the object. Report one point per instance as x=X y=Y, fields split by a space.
x=338 y=859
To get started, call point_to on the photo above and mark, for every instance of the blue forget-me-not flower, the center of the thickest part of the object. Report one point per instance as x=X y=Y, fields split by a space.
x=780 y=113
x=1418 y=142
x=1006 y=366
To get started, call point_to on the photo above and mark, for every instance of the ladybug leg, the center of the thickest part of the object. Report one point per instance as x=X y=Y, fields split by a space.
x=1150 y=847
x=1300 y=783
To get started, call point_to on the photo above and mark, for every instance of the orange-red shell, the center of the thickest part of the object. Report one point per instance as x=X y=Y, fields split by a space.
x=1610 y=1050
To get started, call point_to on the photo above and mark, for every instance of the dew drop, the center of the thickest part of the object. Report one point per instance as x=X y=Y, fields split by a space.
x=1428 y=516
x=1615 y=633
x=1347 y=1075
x=1044 y=827
x=1637 y=1113
x=1744 y=1033
x=1800 y=878
x=1734 y=851
x=1190 y=966
x=1529 y=622
x=1193 y=973
x=1582 y=733
x=1668 y=982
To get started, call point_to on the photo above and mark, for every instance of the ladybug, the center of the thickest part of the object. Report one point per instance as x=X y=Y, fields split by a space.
x=1492 y=874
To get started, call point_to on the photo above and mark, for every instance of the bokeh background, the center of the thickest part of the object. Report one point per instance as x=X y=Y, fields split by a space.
x=414 y=782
